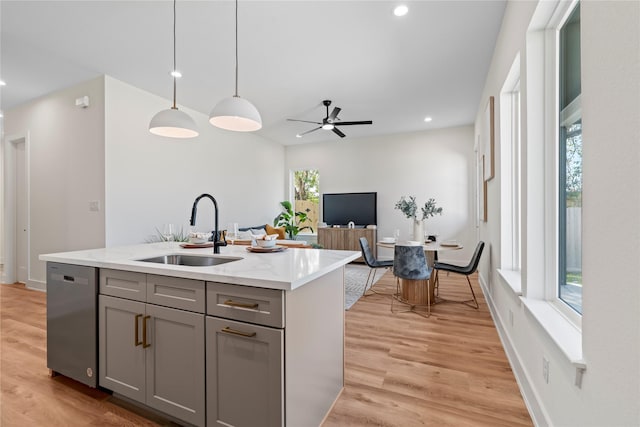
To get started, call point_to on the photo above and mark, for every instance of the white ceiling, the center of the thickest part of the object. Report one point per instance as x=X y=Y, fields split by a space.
x=292 y=55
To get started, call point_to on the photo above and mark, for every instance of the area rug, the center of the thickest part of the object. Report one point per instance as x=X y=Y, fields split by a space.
x=355 y=277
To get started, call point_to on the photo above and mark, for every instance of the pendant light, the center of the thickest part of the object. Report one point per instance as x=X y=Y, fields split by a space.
x=236 y=113
x=172 y=122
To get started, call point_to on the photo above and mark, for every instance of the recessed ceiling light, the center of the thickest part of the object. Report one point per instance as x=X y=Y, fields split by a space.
x=427 y=119
x=298 y=136
x=400 y=10
x=2 y=83
x=175 y=73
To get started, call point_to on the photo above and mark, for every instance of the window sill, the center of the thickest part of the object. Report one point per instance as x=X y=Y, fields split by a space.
x=566 y=336
x=513 y=279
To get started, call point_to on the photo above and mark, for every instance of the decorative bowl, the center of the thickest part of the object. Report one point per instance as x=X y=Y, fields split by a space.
x=266 y=243
x=198 y=238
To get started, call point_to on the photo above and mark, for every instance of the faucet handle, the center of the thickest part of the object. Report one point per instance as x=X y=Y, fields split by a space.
x=220 y=238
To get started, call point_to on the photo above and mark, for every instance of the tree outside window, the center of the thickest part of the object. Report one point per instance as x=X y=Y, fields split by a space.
x=307 y=194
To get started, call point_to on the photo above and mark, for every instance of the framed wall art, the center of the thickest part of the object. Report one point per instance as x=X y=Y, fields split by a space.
x=488 y=140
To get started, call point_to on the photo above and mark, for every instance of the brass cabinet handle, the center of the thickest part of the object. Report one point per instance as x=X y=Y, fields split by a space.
x=228 y=330
x=145 y=344
x=233 y=303
x=137 y=341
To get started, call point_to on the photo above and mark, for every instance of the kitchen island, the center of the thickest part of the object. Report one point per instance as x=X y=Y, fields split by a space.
x=258 y=340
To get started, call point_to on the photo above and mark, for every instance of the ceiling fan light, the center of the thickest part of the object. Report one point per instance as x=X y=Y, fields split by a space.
x=173 y=123
x=400 y=10
x=328 y=126
x=236 y=114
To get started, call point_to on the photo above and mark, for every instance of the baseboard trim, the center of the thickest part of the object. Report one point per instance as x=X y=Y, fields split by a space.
x=531 y=400
x=36 y=285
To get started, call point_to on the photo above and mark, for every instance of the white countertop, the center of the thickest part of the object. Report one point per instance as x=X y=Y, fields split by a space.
x=285 y=270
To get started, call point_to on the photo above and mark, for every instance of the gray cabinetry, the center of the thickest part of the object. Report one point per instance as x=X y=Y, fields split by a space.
x=122 y=361
x=245 y=356
x=150 y=353
x=245 y=367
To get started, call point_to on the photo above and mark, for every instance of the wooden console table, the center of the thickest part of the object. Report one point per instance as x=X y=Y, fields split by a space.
x=347 y=239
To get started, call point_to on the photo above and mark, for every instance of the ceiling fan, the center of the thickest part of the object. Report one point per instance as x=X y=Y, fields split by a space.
x=330 y=122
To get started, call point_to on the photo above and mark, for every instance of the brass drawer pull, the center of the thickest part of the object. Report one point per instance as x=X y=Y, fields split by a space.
x=137 y=341
x=233 y=303
x=228 y=330
x=145 y=344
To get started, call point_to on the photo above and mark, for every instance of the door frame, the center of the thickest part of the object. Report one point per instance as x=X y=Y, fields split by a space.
x=9 y=148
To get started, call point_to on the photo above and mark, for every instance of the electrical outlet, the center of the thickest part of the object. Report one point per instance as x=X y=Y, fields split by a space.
x=545 y=370
x=94 y=206
x=511 y=318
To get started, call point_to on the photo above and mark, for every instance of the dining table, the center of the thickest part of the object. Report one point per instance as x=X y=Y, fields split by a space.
x=412 y=291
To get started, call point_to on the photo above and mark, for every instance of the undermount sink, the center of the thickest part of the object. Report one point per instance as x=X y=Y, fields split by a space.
x=189 y=260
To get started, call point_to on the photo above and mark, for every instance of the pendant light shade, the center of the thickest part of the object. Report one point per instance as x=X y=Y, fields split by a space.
x=235 y=113
x=172 y=122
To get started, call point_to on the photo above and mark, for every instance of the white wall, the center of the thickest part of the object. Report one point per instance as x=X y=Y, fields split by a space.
x=611 y=232
x=438 y=164
x=66 y=171
x=152 y=180
x=105 y=153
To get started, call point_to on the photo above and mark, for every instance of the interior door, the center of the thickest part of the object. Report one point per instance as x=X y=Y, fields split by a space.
x=21 y=214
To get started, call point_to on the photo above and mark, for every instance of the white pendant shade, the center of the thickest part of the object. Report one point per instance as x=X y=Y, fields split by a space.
x=236 y=114
x=173 y=123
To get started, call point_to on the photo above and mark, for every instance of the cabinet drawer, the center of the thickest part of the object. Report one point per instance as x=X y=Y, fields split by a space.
x=246 y=303
x=185 y=294
x=124 y=284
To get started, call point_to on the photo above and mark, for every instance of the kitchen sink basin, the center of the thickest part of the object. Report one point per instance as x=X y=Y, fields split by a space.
x=189 y=260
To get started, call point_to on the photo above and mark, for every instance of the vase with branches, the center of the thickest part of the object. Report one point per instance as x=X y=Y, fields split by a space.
x=409 y=207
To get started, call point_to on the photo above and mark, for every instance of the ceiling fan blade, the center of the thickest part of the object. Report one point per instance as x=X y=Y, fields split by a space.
x=334 y=113
x=304 y=121
x=337 y=132
x=363 y=122
x=309 y=131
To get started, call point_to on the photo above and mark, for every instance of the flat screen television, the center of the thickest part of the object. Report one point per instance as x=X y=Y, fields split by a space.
x=340 y=208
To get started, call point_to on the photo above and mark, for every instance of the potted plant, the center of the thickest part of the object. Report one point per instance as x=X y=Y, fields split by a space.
x=410 y=209
x=291 y=220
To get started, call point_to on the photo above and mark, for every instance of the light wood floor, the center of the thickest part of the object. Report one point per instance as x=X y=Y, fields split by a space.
x=401 y=369
x=446 y=370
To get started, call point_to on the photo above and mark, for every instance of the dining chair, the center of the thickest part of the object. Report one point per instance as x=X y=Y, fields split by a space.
x=466 y=270
x=410 y=264
x=373 y=263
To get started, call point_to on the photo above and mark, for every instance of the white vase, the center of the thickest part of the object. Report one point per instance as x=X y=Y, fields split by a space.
x=418 y=230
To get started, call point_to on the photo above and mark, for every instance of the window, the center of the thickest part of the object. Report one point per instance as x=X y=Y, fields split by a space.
x=307 y=196
x=510 y=143
x=570 y=164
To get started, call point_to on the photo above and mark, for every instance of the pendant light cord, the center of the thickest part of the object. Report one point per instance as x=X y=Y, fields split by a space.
x=174 y=56
x=236 y=95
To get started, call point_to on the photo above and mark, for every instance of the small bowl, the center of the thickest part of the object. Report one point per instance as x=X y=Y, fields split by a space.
x=266 y=243
x=199 y=238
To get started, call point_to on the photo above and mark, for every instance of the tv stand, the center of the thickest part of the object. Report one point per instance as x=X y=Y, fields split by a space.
x=347 y=239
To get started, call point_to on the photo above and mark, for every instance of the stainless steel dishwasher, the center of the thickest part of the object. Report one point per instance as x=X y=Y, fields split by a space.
x=72 y=345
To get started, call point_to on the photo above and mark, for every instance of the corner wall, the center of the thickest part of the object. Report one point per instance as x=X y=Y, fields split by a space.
x=66 y=171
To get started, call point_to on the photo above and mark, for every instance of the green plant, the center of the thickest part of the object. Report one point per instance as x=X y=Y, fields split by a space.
x=291 y=220
x=410 y=208
x=179 y=236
